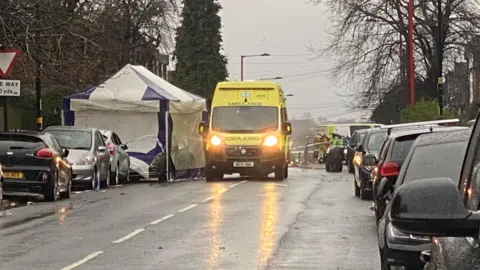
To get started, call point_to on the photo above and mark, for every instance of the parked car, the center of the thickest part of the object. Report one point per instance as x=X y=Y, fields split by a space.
x=88 y=154
x=366 y=149
x=119 y=159
x=446 y=211
x=34 y=163
x=354 y=141
x=391 y=156
x=433 y=156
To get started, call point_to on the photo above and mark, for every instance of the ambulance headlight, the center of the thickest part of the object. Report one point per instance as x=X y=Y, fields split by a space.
x=215 y=140
x=270 y=141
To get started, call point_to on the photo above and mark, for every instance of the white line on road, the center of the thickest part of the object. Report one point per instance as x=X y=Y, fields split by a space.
x=162 y=219
x=187 y=208
x=207 y=199
x=234 y=185
x=128 y=236
x=82 y=261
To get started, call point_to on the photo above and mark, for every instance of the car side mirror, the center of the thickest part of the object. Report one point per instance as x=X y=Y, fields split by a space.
x=124 y=146
x=369 y=160
x=433 y=207
x=202 y=128
x=287 y=128
x=65 y=152
x=383 y=188
x=101 y=149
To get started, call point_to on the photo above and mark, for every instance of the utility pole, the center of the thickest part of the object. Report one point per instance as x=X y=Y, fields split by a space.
x=410 y=53
x=38 y=81
x=441 y=80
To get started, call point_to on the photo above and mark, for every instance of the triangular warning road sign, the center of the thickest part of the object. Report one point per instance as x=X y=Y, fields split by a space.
x=7 y=57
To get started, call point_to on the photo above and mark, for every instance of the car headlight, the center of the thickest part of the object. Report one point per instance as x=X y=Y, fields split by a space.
x=87 y=160
x=215 y=140
x=395 y=236
x=270 y=141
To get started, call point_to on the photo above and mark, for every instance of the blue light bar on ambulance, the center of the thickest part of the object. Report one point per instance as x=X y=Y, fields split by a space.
x=420 y=124
x=246 y=88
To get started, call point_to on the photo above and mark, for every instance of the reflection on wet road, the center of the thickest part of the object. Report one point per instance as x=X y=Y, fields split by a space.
x=267 y=239
x=214 y=223
x=232 y=224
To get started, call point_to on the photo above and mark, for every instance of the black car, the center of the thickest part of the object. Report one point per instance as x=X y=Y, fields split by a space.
x=34 y=163
x=367 y=148
x=433 y=156
x=354 y=141
x=446 y=210
x=391 y=156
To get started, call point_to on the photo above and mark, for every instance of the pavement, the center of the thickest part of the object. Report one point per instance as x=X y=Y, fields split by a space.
x=310 y=221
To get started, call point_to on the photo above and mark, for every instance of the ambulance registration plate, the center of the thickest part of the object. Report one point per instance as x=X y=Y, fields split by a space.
x=243 y=164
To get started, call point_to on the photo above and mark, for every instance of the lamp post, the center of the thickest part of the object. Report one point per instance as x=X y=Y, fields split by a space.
x=249 y=55
x=271 y=79
x=411 y=69
x=441 y=79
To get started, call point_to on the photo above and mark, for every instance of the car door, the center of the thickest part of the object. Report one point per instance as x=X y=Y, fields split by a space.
x=123 y=158
x=103 y=156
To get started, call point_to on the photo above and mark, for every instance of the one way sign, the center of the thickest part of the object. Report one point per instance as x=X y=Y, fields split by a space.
x=9 y=88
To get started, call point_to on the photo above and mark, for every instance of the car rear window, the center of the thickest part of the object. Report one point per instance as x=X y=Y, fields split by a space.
x=401 y=146
x=375 y=140
x=436 y=160
x=15 y=141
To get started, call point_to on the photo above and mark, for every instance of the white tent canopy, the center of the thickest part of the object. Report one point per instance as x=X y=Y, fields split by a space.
x=137 y=105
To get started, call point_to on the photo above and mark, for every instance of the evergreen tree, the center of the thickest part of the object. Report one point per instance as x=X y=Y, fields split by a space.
x=199 y=63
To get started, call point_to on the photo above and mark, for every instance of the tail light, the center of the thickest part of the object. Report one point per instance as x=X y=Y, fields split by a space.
x=389 y=169
x=111 y=149
x=44 y=153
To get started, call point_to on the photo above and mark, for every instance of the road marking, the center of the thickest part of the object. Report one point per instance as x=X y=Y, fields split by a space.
x=223 y=190
x=82 y=261
x=187 y=208
x=128 y=236
x=208 y=199
x=162 y=219
x=234 y=185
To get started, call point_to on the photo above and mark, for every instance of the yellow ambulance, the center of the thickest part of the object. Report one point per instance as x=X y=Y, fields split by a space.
x=248 y=131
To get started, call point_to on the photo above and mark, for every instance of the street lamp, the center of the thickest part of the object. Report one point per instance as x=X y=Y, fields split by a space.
x=411 y=69
x=249 y=55
x=271 y=79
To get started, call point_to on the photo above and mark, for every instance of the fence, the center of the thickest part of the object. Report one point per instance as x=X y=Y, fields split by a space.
x=307 y=153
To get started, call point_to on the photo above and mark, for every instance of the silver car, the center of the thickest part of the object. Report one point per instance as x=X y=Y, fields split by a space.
x=87 y=153
x=119 y=159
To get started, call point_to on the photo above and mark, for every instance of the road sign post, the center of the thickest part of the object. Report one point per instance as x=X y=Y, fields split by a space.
x=7 y=87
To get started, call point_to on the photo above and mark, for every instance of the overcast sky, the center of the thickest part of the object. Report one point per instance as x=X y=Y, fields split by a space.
x=285 y=29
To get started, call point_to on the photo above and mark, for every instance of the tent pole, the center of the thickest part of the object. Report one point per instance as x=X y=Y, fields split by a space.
x=167 y=149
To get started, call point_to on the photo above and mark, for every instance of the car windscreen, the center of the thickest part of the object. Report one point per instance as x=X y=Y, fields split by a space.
x=401 y=146
x=375 y=140
x=73 y=139
x=14 y=141
x=245 y=119
x=436 y=160
x=355 y=128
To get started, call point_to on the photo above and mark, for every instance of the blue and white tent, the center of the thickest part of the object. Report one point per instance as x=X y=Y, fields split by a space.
x=149 y=113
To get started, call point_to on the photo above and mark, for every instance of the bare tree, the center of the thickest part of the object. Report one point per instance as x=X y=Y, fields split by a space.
x=75 y=43
x=368 y=38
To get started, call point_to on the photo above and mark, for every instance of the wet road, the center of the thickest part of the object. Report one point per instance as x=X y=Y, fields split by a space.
x=310 y=221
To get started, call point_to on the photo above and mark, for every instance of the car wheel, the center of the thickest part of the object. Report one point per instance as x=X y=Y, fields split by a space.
x=67 y=193
x=383 y=261
x=363 y=193
x=52 y=194
x=356 y=188
x=106 y=183
x=279 y=173
x=117 y=175
x=96 y=180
